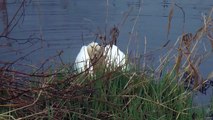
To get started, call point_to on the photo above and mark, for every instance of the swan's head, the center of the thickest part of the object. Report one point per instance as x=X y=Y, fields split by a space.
x=94 y=50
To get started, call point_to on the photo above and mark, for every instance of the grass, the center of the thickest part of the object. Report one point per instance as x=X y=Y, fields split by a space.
x=109 y=95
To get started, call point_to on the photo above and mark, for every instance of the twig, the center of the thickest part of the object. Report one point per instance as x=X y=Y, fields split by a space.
x=133 y=28
x=144 y=60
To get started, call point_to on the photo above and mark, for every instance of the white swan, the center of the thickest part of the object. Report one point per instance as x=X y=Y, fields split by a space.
x=93 y=55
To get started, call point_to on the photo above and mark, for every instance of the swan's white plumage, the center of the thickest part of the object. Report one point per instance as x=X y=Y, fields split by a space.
x=82 y=61
x=114 y=56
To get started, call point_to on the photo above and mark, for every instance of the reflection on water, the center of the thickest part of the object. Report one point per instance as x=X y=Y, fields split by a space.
x=50 y=26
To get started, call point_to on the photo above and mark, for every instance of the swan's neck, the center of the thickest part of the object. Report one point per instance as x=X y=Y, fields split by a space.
x=96 y=55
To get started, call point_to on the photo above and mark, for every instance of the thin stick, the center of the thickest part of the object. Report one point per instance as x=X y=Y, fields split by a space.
x=133 y=28
x=107 y=14
x=144 y=60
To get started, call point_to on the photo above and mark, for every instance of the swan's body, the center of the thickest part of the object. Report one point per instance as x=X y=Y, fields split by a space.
x=114 y=56
x=82 y=61
x=92 y=56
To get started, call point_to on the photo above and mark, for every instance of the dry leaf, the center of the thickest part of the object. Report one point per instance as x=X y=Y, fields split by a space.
x=199 y=34
x=171 y=12
x=210 y=75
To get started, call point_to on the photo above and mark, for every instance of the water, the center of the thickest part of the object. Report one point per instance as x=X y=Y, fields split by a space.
x=44 y=28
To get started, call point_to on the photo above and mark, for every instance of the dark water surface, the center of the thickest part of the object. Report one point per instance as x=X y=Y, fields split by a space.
x=44 y=28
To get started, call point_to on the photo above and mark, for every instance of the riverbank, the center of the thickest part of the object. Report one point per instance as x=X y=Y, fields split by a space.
x=109 y=95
